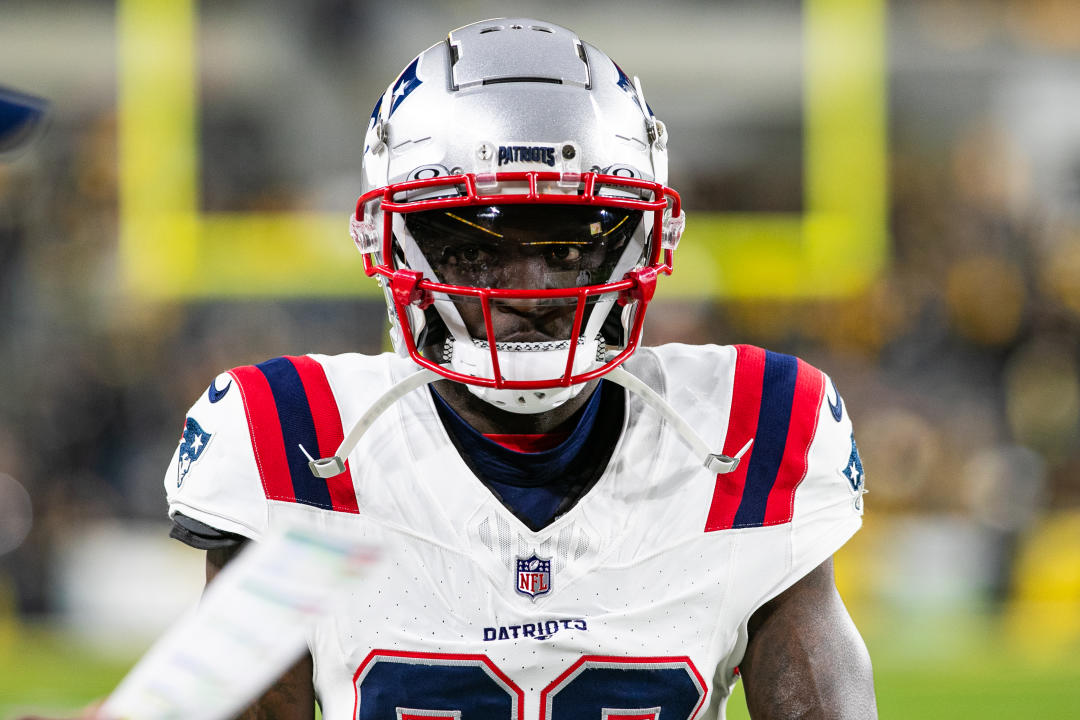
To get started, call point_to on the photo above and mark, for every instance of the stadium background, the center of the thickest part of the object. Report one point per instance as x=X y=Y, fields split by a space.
x=891 y=190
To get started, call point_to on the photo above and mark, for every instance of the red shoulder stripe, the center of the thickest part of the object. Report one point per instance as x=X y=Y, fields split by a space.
x=742 y=425
x=265 y=429
x=805 y=411
x=328 y=428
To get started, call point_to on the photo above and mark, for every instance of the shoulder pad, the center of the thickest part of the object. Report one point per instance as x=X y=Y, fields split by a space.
x=213 y=477
x=244 y=442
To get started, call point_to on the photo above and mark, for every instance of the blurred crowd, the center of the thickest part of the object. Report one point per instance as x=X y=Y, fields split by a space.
x=960 y=364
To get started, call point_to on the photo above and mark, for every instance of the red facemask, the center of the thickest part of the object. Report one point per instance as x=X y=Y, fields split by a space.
x=524 y=258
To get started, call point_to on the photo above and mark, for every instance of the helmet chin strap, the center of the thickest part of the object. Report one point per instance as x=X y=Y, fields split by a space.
x=335 y=465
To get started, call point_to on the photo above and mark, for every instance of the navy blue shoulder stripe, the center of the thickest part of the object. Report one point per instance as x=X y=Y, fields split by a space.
x=777 y=395
x=297 y=428
x=775 y=400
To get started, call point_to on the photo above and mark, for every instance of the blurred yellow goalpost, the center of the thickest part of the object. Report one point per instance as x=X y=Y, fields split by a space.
x=169 y=249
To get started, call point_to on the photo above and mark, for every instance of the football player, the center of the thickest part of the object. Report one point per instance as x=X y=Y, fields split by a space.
x=578 y=526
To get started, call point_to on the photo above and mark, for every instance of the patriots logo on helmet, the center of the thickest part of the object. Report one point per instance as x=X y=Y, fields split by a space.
x=405 y=84
x=375 y=113
x=193 y=443
x=627 y=85
x=533 y=576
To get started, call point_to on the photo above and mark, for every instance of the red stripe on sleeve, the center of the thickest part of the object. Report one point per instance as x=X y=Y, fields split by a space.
x=265 y=429
x=328 y=429
x=805 y=410
x=742 y=425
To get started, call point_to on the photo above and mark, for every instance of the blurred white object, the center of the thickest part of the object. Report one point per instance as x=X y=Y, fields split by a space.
x=16 y=513
x=935 y=563
x=250 y=626
x=120 y=584
x=1006 y=487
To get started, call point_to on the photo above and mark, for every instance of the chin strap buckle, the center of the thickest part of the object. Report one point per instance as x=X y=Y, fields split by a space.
x=405 y=285
x=324 y=467
x=723 y=464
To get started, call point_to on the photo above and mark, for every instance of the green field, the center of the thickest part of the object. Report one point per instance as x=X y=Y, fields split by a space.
x=929 y=671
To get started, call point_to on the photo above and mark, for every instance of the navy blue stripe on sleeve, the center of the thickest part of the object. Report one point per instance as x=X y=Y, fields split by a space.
x=297 y=428
x=777 y=393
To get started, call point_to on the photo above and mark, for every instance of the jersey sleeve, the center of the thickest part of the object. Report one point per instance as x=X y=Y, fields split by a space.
x=827 y=504
x=799 y=439
x=803 y=476
x=214 y=476
x=797 y=495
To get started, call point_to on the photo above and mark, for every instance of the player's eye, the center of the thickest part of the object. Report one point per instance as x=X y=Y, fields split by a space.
x=563 y=253
x=566 y=253
x=468 y=254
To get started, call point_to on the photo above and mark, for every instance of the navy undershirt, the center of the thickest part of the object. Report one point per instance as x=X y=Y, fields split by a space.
x=538 y=486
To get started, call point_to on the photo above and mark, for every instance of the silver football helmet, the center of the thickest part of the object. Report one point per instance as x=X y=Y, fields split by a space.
x=515 y=211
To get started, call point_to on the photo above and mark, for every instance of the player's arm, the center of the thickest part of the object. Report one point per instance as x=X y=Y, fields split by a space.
x=805 y=658
x=217 y=501
x=292 y=697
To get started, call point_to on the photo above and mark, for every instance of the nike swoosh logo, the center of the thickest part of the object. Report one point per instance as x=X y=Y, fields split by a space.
x=214 y=394
x=838 y=409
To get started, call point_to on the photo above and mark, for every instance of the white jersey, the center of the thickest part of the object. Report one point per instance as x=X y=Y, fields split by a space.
x=633 y=602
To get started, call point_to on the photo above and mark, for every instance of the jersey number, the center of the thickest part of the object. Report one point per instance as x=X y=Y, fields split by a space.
x=437 y=686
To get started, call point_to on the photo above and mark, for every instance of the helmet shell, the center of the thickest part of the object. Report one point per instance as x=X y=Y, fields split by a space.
x=511 y=84
x=501 y=98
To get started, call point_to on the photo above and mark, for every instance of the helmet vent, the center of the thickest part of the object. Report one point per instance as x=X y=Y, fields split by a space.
x=483 y=55
x=496 y=81
x=497 y=28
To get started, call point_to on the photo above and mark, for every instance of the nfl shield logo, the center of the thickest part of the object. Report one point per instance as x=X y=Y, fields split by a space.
x=534 y=576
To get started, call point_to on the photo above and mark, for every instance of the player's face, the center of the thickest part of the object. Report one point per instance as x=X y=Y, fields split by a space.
x=529 y=247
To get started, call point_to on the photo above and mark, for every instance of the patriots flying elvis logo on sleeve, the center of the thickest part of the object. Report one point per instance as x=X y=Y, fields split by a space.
x=853 y=471
x=193 y=442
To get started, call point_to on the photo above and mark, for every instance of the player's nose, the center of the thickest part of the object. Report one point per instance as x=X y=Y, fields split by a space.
x=524 y=273
x=529 y=272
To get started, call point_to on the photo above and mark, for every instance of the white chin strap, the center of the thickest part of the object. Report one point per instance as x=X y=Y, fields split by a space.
x=335 y=464
x=523 y=361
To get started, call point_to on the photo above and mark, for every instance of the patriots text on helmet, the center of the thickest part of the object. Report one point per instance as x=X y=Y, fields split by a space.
x=526 y=154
